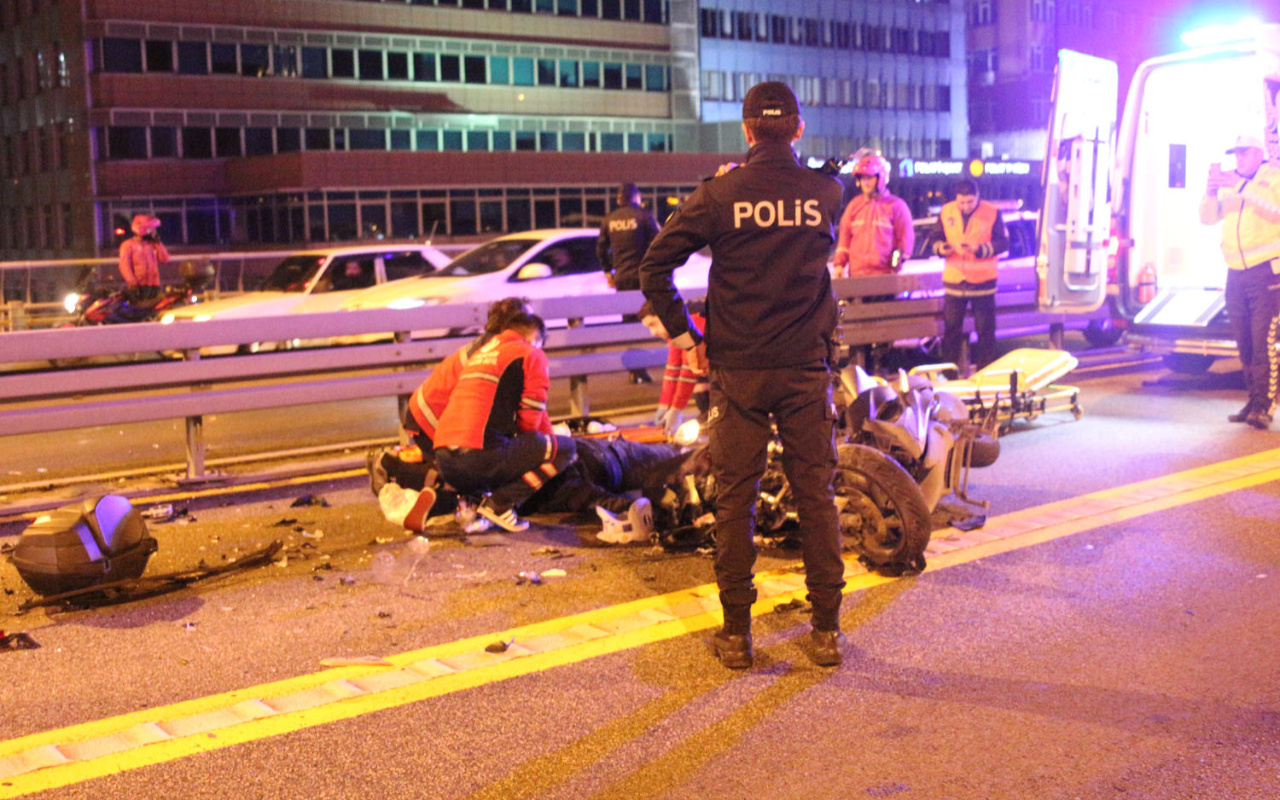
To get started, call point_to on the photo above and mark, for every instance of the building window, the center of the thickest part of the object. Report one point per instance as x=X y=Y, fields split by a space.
x=197 y=143
x=255 y=60
x=342 y=63
x=121 y=55
x=367 y=139
x=164 y=141
x=371 y=67
x=522 y=71
x=424 y=66
x=315 y=62
x=398 y=66
x=126 y=142
x=222 y=59
x=159 y=56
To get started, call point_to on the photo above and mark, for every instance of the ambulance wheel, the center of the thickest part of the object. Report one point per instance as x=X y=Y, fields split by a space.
x=1102 y=333
x=1188 y=363
x=882 y=512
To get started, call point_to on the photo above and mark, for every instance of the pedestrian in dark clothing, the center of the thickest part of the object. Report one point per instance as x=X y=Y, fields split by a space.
x=770 y=318
x=624 y=237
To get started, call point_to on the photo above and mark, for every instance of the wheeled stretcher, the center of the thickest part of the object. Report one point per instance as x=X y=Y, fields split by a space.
x=1018 y=385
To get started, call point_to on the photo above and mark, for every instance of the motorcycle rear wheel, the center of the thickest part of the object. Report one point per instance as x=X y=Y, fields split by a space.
x=882 y=510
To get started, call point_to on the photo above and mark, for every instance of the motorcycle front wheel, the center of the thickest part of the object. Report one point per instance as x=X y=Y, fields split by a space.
x=882 y=510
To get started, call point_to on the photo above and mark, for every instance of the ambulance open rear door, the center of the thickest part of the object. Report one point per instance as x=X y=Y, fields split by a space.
x=1075 y=221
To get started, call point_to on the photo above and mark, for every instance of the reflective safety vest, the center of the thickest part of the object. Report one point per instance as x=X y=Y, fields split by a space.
x=968 y=267
x=1250 y=215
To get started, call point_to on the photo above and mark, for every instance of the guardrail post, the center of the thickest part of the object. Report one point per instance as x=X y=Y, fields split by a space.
x=579 y=403
x=17 y=315
x=195 y=448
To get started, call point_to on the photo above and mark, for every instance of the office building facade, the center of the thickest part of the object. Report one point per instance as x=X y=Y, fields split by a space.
x=279 y=122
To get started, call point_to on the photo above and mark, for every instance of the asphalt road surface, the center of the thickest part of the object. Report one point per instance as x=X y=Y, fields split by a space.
x=1127 y=653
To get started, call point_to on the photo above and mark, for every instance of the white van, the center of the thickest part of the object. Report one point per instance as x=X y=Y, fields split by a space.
x=1166 y=270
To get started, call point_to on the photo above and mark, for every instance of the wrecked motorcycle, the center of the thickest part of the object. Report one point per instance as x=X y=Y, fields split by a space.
x=901 y=448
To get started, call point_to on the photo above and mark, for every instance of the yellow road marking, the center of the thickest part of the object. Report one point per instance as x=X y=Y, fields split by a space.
x=103 y=747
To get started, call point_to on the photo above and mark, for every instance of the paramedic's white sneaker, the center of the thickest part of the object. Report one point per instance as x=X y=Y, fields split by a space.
x=507 y=520
x=635 y=527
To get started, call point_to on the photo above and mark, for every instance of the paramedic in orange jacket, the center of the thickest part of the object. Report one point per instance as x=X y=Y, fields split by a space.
x=682 y=378
x=414 y=469
x=494 y=436
x=970 y=234
x=876 y=233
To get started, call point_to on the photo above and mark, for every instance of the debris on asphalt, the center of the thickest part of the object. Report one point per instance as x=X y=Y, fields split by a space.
x=316 y=534
x=499 y=646
x=355 y=661
x=17 y=640
x=190 y=626
x=528 y=576
x=794 y=604
x=162 y=513
x=553 y=573
x=384 y=615
x=285 y=522
x=547 y=551
x=309 y=500
x=347 y=580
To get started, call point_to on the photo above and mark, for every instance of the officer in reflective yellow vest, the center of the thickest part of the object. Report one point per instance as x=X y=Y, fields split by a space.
x=970 y=234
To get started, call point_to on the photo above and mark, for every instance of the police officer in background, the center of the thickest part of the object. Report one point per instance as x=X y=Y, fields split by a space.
x=770 y=318
x=624 y=237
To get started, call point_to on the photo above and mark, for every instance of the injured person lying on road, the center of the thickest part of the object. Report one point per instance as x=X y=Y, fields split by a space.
x=619 y=480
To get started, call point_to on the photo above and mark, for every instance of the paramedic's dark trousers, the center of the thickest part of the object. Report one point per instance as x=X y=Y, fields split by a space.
x=799 y=399
x=984 y=324
x=1252 y=306
x=512 y=469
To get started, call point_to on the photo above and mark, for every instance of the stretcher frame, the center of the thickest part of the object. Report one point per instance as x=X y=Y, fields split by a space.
x=1018 y=385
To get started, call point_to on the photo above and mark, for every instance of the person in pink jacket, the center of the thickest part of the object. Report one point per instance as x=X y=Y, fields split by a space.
x=875 y=230
x=141 y=256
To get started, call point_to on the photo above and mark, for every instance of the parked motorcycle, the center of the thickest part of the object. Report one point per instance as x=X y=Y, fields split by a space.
x=115 y=307
x=93 y=305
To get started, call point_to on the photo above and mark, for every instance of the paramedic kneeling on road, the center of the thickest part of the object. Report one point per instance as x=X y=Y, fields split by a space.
x=770 y=317
x=494 y=435
x=970 y=234
x=1248 y=206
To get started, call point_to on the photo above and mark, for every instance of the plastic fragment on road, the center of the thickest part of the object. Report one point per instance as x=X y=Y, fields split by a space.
x=17 y=641
x=309 y=500
x=553 y=573
x=528 y=576
x=162 y=513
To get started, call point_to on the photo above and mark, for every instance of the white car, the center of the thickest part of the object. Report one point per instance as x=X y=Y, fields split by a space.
x=560 y=262
x=320 y=280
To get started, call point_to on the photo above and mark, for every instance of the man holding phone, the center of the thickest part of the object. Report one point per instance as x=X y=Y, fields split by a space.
x=1247 y=203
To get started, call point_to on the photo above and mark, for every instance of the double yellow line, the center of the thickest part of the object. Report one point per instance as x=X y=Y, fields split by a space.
x=94 y=749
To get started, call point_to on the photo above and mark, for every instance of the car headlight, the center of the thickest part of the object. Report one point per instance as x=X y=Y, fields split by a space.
x=202 y=317
x=407 y=303
x=70 y=302
x=167 y=318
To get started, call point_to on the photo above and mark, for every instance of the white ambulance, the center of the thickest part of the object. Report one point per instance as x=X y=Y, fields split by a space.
x=1163 y=269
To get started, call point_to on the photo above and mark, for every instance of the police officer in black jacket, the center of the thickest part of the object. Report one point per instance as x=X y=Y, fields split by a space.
x=770 y=318
x=624 y=237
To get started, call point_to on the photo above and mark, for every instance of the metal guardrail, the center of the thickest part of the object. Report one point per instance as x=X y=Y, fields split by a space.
x=55 y=380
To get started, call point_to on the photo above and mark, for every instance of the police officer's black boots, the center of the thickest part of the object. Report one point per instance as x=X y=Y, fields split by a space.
x=825 y=647
x=734 y=651
x=1243 y=414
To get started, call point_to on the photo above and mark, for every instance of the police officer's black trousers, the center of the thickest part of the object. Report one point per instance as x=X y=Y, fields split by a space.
x=799 y=401
x=1252 y=306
